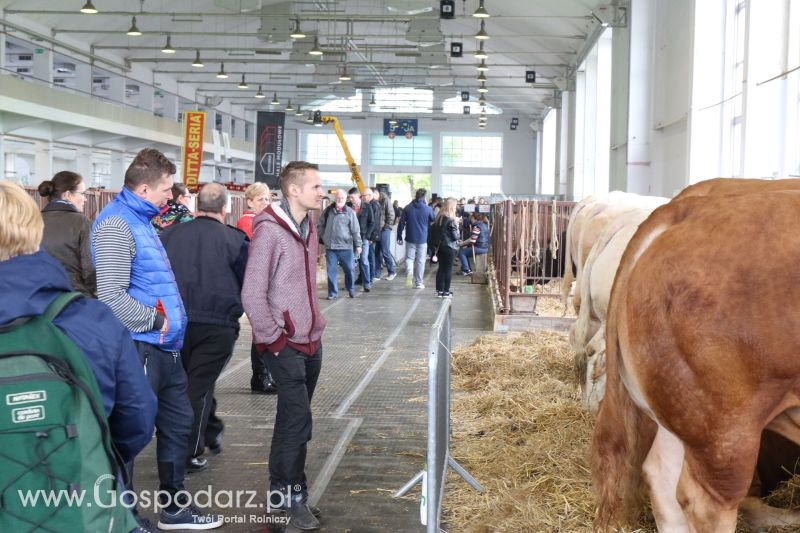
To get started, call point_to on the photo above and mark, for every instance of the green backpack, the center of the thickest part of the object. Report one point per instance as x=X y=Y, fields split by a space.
x=55 y=446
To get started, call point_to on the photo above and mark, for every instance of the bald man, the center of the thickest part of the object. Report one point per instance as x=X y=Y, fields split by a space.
x=208 y=258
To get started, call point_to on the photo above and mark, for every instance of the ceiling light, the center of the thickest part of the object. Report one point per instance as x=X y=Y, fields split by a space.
x=243 y=84
x=89 y=8
x=481 y=12
x=260 y=94
x=482 y=67
x=299 y=111
x=310 y=118
x=482 y=126
x=133 y=30
x=483 y=118
x=197 y=63
x=481 y=76
x=393 y=120
x=482 y=100
x=482 y=88
x=222 y=74
x=372 y=103
x=344 y=76
x=481 y=54
x=275 y=100
x=168 y=47
x=297 y=33
x=316 y=51
x=482 y=35
x=289 y=106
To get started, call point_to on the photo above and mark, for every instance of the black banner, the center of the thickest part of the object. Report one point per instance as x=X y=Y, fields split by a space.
x=269 y=146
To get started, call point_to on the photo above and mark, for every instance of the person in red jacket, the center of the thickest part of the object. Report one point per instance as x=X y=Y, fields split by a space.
x=280 y=297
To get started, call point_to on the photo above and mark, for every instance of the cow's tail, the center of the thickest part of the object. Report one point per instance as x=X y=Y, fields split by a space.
x=622 y=437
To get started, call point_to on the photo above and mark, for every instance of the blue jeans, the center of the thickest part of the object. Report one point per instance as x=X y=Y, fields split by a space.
x=465 y=253
x=374 y=264
x=386 y=252
x=364 y=263
x=334 y=258
x=415 y=260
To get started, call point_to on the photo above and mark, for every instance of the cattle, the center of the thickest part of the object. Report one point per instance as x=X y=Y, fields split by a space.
x=724 y=186
x=587 y=222
x=587 y=335
x=698 y=365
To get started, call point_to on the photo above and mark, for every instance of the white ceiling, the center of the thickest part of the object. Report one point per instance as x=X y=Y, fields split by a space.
x=382 y=44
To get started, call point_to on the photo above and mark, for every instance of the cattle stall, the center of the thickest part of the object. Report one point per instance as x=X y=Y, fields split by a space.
x=527 y=246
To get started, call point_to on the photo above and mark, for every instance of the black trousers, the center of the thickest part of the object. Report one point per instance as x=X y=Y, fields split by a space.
x=445 y=273
x=167 y=378
x=296 y=375
x=257 y=362
x=206 y=350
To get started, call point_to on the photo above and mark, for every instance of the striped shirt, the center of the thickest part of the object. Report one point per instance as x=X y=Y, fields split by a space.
x=114 y=250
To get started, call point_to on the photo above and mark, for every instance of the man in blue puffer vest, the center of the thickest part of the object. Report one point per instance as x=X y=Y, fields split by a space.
x=135 y=279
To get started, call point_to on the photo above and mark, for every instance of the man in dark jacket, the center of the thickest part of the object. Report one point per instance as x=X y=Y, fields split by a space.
x=415 y=221
x=385 y=246
x=31 y=280
x=208 y=259
x=375 y=236
x=366 y=222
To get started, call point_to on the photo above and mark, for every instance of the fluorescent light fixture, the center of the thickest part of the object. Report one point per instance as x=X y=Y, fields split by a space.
x=481 y=12
x=133 y=30
x=297 y=33
x=481 y=76
x=482 y=67
x=482 y=35
x=344 y=76
x=289 y=107
x=275 y=100
x=299 y=111
x=89 y=8
x=197 y=62
x=168 y=46
x=482 y=88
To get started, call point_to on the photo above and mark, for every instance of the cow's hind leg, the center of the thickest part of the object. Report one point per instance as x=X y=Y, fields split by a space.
x=662 y=469
x=715 y=479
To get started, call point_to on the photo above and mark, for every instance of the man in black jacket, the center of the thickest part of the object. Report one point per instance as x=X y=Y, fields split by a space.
x=366 y=222
x=208 y=259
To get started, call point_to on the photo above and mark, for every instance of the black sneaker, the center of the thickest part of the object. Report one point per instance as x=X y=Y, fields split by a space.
x=196 y=464
x=367 y=289
x=263 y=384
x=215 y=445
x=302 y=517
x=188 y=518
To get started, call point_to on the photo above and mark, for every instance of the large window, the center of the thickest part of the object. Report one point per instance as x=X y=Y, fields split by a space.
x=403 y=186
x=484 y=151
x=415 y=152
x=469 y=185
x=325 y=149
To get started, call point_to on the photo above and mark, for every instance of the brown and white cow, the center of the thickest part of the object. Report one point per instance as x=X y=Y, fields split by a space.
x=699 y=364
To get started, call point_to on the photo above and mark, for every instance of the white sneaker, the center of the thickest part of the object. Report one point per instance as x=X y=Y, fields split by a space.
x=390 y=277
x=375 y=279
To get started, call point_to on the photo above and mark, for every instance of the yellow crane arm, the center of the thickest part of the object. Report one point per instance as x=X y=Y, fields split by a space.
x=354 y=171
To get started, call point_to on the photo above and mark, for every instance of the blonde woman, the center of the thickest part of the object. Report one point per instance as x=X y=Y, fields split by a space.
x=257 y=198
x=445 y=242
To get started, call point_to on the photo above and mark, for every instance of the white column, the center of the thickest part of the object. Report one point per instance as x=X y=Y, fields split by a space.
x=640 y=19
x=42 y=64
x=2 y=54
x=171 y=107
x=43 y=162
x=116 y=88
x=559 y=149
x=83 y=77
x=436 y=163
x=83 y=164
x=117 y=171
x=146 y=97
x=620 y=86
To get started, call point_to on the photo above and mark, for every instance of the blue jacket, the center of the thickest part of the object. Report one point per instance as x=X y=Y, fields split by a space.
x=416 y=219
x=29 y=283
x=151 y=274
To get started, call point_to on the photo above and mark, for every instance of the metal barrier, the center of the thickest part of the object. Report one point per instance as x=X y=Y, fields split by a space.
x=438 y=456
x=528 y=240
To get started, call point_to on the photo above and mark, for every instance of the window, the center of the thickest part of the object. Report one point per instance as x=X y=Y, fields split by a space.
x=469 y=185
x=403 y=100
x=472 y=151
x=416 y=152
x=325 y=149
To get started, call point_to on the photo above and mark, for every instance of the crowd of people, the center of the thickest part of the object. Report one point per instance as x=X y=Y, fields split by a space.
x=152 y=293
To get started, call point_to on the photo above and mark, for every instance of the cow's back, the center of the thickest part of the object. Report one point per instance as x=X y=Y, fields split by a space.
x=725 y=186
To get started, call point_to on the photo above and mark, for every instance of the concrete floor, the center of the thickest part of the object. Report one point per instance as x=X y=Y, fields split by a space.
x=369 y=412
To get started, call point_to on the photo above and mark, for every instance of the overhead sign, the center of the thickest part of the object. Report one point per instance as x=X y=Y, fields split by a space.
x=269 y=146
x=194 y=123
x=456 y=49
x=447 y=9
x=406 y=127
x=465 y=96
x=466 y=110
x=530 y=76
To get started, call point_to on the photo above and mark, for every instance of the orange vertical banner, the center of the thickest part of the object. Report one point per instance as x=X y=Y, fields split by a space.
x=194 y=123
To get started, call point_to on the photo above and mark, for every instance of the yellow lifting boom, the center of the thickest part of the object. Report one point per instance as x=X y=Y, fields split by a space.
x=354 y=171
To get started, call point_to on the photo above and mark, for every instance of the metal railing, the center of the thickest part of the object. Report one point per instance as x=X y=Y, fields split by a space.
x=527 y=245
x=438 y=455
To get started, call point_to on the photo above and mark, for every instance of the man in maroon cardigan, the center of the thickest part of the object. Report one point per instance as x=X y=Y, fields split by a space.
x=283 y=309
